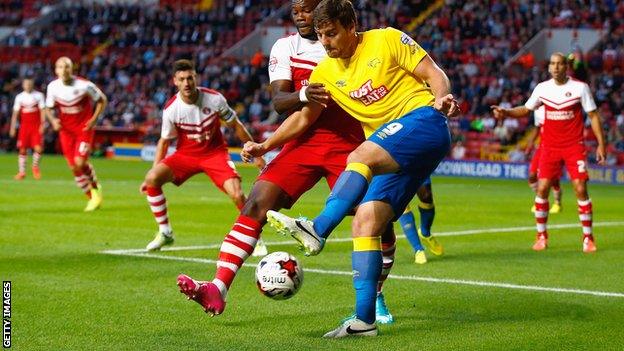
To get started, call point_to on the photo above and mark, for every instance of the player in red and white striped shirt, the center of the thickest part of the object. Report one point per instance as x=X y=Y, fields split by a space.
x=193 y=116
x=74 y=98
x=564 y=100
x=28 y=108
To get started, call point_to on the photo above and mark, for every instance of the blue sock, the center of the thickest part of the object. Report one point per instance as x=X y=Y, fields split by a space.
x=409 y=228
x=347 y=193
x=427 y=213
x=366 y=262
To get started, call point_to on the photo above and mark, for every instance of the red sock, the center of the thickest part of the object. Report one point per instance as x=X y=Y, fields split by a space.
x=585 y=215
x=236 y=247
x=388 y=246
x=82 y=181
x=158 y=205
x=89 y=172
x=541 y=216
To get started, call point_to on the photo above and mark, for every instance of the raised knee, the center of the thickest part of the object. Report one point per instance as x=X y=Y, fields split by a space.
x=151 y=179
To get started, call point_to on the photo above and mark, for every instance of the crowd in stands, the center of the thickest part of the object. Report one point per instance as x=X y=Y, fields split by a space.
x=471 y=40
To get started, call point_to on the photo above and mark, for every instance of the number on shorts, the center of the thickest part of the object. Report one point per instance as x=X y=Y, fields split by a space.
x=581 y=166
x=83 y=148
x=392 y=128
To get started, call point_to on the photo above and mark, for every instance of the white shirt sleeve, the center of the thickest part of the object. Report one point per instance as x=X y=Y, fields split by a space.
x=94 y=92
x=534 y=102
x=16 y=103
x=279 y=61
x=539 y=115
x=587 y=100
x=226 y=113
x=40 y=100
x=168 y=130
x=49 y=96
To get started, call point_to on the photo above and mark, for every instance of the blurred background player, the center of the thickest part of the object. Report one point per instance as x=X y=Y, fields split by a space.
x=416 y=236
x=193 y=116
x=28 y=110
x=73 y=98
x=538 y=117
x=564 y=101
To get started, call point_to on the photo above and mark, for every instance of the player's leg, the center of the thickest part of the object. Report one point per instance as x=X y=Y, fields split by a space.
x=541 y=213
x=279 y=185
x=408 y=224
x=556 y=188
x=154 y=181
x=426 y=208
x=533 y=172
x=388 y=248
x=22 y=158
x=68 y=147
x=576 y=166
x=232 y=187
x=84 y=167
x=370 y=219
x=36 y=161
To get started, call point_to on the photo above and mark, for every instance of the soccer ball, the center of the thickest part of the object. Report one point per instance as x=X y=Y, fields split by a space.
x=279 y=275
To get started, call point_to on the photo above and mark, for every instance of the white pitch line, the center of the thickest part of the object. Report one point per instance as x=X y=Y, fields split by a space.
x=337 y=240
x=398 y=277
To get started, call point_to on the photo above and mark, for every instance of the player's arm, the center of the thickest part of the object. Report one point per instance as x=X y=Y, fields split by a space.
x=100 y=105
x=243 y=135
x=161 y=150
x=51 y=116
x=14 y=116
x=286 y=100
x=514 y=112
x=531 y=139
x=440 y=86
x=295 y=125
x=596 y=125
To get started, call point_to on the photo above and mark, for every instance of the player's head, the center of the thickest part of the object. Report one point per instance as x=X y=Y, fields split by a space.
x=558 y=66
x=63 y=68
x=28 y=84
x=301 y=14
x=335 y=22
x=184 y=77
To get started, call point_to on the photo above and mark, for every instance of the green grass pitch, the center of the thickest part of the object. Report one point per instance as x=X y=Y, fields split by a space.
x=67 y=294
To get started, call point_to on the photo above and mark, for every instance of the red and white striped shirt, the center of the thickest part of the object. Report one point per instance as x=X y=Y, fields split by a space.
x=29 y=106
x=197 y=126
x=73 y=101
x=563 y=106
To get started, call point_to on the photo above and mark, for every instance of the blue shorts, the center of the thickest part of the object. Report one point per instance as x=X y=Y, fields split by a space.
x=418 y=142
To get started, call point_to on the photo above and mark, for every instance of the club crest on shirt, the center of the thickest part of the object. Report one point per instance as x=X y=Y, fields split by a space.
x=206 y=111
x=374 y=62
x=341 y=83
x=75 y=91
x=568 y=94
x=367 y=94
x=272 y=63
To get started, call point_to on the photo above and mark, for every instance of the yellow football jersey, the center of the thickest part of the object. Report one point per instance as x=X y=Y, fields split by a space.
x=376 y=85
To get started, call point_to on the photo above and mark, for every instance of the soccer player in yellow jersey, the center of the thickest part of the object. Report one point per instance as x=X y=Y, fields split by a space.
x=384 y=79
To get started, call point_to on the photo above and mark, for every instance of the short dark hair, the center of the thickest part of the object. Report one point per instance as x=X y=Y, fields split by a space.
x=329 y=11
x=183 y=65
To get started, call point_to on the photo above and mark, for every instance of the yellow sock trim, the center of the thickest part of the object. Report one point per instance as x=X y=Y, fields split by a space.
x=362 y=169
x=367 y=243
x=407 y=210
x=426 y=206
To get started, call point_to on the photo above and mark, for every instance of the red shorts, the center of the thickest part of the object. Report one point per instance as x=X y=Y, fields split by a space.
x=217 y=165
x=28 y=137
x=297 y=169
x=534 y=161
x=76 y=144
x=551 y=160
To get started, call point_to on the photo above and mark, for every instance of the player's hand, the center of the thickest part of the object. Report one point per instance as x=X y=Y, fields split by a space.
x=316 y=92
x=259 y=162
x=252 y=149
x=498 y=111
x=12 y=133
x=56 y=124
x=447 y=105
x=601 y=155
x=528 y=149
x=89 y=126
x=143 y=188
